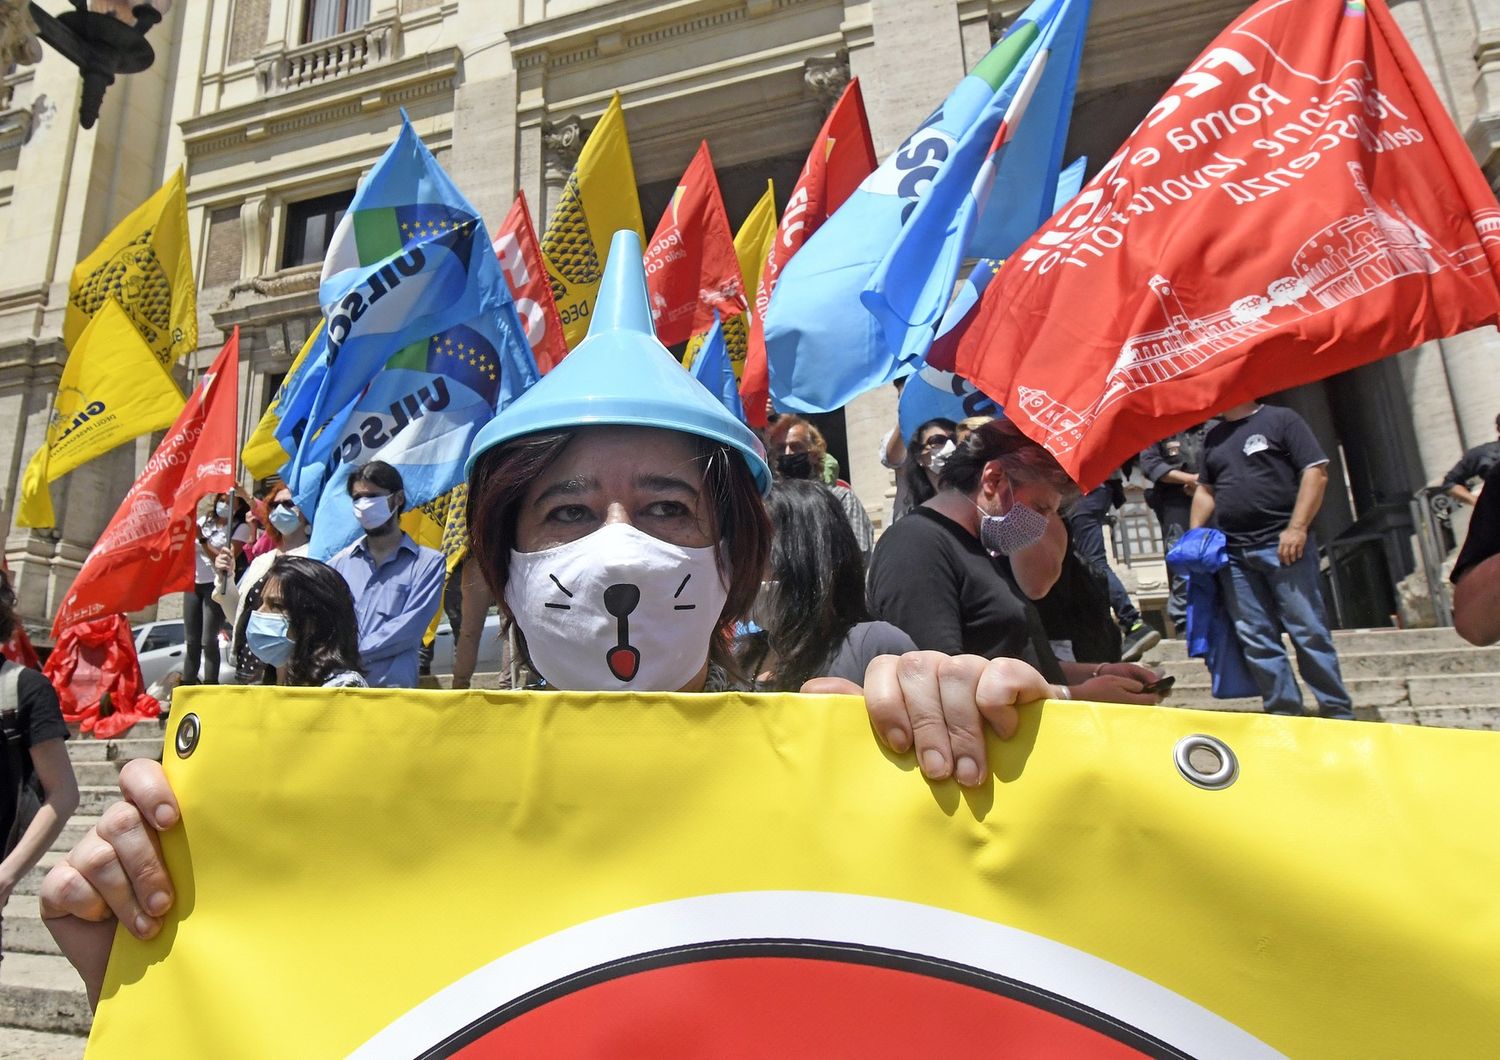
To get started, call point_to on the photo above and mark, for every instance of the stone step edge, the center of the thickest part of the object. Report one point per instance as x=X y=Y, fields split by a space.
x=44 y=1009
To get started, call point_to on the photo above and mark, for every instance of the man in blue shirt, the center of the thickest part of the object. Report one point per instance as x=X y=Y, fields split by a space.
x=396 y=583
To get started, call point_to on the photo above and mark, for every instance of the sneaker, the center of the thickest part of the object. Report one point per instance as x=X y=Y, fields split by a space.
x=1139 y=639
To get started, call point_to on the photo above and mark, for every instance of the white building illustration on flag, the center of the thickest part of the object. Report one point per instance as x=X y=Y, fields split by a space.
x=1347 y=259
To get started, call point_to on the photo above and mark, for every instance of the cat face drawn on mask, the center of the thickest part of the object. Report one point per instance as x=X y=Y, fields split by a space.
x=620 y=601
x=617 y=609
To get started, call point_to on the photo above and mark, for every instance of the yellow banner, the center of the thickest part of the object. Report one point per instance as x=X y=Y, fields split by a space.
x=264 y=455
x=396 y=873
x=111 y=390
x=146 y=265
x=598 y=201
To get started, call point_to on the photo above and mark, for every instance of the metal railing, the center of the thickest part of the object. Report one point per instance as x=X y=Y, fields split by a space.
x=1432 y=514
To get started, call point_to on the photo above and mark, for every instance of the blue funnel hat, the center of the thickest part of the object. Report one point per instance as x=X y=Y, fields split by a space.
x=620 y=375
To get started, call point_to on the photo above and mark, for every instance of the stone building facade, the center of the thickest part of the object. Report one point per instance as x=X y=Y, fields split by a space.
x=276 y=107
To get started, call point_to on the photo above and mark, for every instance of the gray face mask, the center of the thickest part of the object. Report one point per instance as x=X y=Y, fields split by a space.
x=1005 y=535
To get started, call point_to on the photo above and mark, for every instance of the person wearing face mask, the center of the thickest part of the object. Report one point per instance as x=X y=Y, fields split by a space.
x=801 y=454
x=290 y=531
x=812 y=614
x=615 y=512
x=304 y=626
x=397 y=584
x=921 y=460
x=202 y=619
x=946 y=575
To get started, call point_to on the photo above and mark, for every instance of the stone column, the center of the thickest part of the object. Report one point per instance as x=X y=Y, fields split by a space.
x=562 y=141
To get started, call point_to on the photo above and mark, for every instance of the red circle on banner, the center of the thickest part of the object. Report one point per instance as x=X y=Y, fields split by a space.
x=788 y=1007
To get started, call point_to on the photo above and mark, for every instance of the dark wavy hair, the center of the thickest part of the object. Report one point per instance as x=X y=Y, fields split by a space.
x=820 y=584
x=320 y=619
x=502 y=476
x=919 y=487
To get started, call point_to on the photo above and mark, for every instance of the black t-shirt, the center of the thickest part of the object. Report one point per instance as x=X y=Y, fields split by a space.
x=40 y=719
x=931 y=578
x=1255 y=466
x=1484 y=528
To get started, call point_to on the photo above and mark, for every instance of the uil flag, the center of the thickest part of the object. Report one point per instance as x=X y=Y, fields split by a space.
x=146 y=551
x=111 y=390
x=842 y=155
x=752 y=245
x=692 y=270
x=598 y=201
x=1297 y=204
x=521 y=260
x=146 y=266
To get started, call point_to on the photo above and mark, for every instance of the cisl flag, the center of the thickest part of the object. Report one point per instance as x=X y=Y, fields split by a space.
x=146 y=551
x=521 y=259
x=1297 y=204
x=841 y=157
x=691 y=266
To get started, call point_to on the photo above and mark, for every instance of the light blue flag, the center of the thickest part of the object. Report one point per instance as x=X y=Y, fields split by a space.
x=1000 y=182
x=403 y=265
x=421 y=412
x=712 y=368
x=823 y=346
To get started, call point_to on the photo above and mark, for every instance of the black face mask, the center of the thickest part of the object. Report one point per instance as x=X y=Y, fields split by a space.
x=794 y=465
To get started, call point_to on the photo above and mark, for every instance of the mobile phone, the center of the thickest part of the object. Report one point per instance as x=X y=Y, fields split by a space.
x=1160 y=687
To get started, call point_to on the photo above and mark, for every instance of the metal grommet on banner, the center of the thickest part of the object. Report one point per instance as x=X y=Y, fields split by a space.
x=188 y=731
x=1206 y=761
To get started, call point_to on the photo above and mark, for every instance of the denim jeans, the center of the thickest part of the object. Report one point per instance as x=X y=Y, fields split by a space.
x=1175 y=518
x=1266 y=598
x=1086 y=520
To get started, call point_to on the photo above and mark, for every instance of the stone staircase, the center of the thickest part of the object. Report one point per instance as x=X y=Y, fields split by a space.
x=44 y=1012
x=1412 y=676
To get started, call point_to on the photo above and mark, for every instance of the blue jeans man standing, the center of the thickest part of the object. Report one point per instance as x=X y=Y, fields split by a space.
x=1267 y=597
x=1262 y=481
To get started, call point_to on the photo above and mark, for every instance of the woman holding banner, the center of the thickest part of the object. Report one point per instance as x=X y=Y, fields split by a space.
x=616 y=512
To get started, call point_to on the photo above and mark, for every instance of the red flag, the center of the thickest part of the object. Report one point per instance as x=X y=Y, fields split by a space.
x=841 y=157
x=1297 y=204
x=691 y=266
x=146 y=551
x=521 y=260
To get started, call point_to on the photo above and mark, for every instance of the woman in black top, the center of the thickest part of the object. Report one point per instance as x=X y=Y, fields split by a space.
x=933 y=576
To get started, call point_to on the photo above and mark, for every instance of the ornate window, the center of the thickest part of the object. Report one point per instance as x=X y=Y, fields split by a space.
x=329 y=18
x=309 y=227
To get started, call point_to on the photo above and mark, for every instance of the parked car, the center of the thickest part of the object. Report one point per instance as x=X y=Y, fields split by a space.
x=162 y=646
x=492 y=657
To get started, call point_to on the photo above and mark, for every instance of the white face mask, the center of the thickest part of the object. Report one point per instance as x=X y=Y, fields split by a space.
x=618 y=610
x=372 y=512
x=222 y=509
x=940 y=457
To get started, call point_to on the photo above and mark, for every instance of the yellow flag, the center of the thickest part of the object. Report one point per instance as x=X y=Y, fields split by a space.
x=752 y=245
x=145 y=265
x=598 y=201
x=264 y=454
x=112 y=389
x=584 y=875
